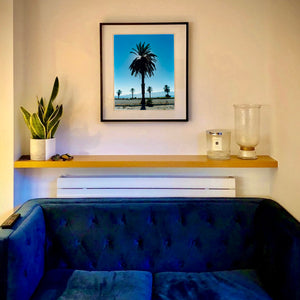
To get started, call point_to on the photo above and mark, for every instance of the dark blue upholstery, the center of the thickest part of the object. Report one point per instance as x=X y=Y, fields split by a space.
x=157 y=236
x=66 y=284
x=222 y=285
x=22 y=264
x=187 y=235
x=279 y=241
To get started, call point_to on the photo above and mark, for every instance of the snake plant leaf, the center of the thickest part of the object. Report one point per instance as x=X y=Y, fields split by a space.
x=49 y=109
x=55 y=117
x=42 y=103
x=54 y=89
x=56 y=112
x=48 y=112
x=37 y=126
x=52 y=133
x=41 y=109
x=26 y=116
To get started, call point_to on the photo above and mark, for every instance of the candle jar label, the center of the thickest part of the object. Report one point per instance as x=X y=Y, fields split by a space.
x=217 y=143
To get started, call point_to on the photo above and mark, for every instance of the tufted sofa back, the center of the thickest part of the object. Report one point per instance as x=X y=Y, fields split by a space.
x=173 y=234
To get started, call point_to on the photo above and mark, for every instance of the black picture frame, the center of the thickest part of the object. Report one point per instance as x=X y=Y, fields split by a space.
x=117 y=109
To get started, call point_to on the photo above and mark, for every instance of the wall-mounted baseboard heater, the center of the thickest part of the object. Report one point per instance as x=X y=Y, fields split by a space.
x=144 y=186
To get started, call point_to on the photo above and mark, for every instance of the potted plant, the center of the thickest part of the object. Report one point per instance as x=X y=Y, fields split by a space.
x=43 y=125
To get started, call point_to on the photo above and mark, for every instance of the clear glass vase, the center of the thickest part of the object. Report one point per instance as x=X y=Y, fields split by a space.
x=247 y=124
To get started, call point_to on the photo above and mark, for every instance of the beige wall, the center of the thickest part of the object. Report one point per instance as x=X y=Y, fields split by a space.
x=7 y=104
x=285 y=93
x=238 y=53
x=228 y=64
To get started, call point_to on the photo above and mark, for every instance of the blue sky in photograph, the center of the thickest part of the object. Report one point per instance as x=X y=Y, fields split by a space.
x=161 y=44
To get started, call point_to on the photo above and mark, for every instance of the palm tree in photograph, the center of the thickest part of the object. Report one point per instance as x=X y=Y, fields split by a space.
x=144 y=65
x=167 y=90
x=149 y=90
x=132 y=91
x=119 y=92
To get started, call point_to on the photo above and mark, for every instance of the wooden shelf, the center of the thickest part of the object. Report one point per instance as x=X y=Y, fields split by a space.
x=147 y=161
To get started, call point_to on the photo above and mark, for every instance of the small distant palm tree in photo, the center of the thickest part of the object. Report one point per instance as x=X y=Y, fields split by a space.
x=144 y=65
x=167 y=91
x=149 y=90
x=149 y=101
x=132 y=92
x=119 y=92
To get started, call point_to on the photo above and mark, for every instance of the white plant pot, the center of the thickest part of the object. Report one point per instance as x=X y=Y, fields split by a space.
x=42 y=149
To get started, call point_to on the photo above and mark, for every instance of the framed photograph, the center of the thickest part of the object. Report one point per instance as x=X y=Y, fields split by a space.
x=144 y=71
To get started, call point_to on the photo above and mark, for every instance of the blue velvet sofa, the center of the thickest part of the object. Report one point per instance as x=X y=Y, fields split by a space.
x=151 y=248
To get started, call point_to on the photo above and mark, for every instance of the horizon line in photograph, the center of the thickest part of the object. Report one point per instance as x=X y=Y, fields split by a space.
x=134 y=95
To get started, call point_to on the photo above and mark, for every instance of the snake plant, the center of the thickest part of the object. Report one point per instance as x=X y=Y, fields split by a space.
x=43 y=124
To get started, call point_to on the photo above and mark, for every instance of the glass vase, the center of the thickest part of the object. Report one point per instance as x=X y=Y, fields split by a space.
x=247 y=123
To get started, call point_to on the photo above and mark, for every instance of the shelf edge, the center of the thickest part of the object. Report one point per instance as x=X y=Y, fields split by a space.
x=147 y=161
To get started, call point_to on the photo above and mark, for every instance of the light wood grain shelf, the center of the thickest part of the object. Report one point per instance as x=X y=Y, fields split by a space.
x=147 y=161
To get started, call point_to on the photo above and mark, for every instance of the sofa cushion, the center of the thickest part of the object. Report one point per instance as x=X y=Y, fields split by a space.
x=66 y=284
x=223 y=285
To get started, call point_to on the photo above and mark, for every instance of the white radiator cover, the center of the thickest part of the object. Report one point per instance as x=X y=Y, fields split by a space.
x=145 y=186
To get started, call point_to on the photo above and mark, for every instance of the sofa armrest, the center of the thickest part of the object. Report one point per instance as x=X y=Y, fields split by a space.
x=279 y=240
x=22 y=255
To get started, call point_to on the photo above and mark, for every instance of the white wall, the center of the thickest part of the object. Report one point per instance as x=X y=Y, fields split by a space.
x=7 y=105
x=233 y=54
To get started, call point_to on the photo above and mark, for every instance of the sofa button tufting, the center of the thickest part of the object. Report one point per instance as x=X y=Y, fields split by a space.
x=28 y=241
x=195 y=243
x=151 y=263
x=210 y=220
x=167 y=243
x=224 y=242
x=182 y=220
x=140 y=243
x=209 y=266
x=151 y=219
x=92 y=265
x=180 y=264
x=108 y=244
x=94 y=221
x=123 y=220
x=77 y=243
x=63 y=222
x=238 y=219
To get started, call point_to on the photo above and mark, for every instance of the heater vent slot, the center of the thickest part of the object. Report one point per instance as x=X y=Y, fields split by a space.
x=144 y=186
